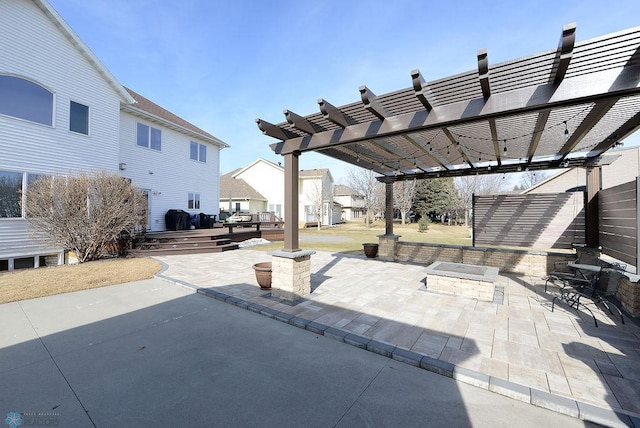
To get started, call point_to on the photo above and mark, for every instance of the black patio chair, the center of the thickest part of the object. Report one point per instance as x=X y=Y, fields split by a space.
x=566 y=275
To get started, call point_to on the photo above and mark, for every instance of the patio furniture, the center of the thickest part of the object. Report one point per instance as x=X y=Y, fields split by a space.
x=585 y=284
x=565 y=274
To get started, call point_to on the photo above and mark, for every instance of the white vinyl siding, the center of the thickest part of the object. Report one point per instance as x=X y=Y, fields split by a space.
x=170 y=174
x=54 y=63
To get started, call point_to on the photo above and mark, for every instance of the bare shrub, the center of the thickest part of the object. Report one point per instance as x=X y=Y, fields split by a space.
x=85 y=213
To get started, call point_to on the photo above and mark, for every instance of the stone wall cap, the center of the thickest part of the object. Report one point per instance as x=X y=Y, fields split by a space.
x=293 y=255
x=389 y=236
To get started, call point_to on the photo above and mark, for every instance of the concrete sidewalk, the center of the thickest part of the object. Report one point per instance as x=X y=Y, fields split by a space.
x=516 y=346
x=154 y=354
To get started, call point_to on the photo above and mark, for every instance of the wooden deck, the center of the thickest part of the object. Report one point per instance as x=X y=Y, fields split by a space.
x=223 y=237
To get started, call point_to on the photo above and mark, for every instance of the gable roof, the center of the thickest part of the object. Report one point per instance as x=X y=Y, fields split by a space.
x=84 y=50
x=234 y=188
x=315 y=173
x=342 y=190
x=148 y=109
x=255 y=162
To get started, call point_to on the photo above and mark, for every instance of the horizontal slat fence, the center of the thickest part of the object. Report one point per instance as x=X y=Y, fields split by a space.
x=618 y=228
x=532 y=221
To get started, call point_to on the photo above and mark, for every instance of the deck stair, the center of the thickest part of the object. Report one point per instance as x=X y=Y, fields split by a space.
x=182 y=242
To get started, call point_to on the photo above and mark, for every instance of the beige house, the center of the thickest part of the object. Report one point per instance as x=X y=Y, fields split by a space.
x=622 y=166
x=351 y=201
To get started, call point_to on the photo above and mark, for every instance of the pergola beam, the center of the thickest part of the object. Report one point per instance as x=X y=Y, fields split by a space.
x=434 y=156
x=372 y=104
x=597 y=112
x=494 y=138
x=483 y=73
x=272 y=130
x=299 y=122
x=419 y=87
x=564 y=54
x=332 y=113
x=631 y=126
x=603 y=85
x=457 y=145
x=541 y=122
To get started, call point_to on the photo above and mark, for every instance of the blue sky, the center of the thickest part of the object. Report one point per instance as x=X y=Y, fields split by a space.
x=222 y=64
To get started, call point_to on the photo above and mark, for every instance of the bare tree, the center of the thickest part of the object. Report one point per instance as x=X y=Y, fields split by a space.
x=85 y=213
x=477 y=185
x=531 y=178
x=364 y=182
x=316 y=198
x=403 y=192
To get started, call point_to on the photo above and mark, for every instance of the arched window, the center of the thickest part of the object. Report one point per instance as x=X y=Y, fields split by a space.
x=25 y=100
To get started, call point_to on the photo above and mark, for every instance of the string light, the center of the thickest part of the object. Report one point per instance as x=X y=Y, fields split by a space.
x=505 y=146
x=566 y=129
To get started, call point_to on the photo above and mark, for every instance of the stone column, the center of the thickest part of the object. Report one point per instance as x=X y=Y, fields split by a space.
x=291 y=274
x=387 y=247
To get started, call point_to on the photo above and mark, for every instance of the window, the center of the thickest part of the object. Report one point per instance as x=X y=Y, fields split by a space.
x=79 y=118
x=10 y=194
x=198 y=152
x=194 y=201
x=26 y=100
x=149 y=136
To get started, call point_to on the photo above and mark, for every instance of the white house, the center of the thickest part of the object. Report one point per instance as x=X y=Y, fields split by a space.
x=316 y=197
x=63 y=112
x=259 y=187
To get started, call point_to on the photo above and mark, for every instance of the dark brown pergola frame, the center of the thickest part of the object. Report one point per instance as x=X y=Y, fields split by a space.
x=560 y=108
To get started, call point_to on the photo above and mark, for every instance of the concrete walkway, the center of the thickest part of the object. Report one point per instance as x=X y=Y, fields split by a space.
x=154 y=354
x=517 y=347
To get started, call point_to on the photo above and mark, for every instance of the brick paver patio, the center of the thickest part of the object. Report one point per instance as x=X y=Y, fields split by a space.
x=517 y=338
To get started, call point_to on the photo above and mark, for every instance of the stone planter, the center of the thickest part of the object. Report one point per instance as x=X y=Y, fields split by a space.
x=263 y=274
x=370 y=250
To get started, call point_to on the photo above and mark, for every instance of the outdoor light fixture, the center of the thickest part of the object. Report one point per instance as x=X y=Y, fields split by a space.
x=566 y=129
x=122 y=166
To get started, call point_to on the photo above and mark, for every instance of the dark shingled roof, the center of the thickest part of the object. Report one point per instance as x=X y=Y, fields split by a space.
x=154 y=109
x=237 y=187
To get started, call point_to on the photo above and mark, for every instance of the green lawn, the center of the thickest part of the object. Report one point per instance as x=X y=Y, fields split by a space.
x=349 y=237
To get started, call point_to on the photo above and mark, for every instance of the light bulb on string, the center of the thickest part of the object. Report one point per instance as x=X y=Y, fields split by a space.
x=566 y=129
x=505 y=146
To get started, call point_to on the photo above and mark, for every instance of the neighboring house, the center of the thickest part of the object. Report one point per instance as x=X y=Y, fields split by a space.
x=259 y=187
x=353 y=207
x=62 y=112
x=316 y=197
x=265 y=178
x=241 y=196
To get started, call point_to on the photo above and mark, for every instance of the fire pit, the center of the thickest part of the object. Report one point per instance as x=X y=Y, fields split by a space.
x=473 y=281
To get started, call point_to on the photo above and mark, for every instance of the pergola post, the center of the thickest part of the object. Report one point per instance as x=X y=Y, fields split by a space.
x=594 y=185
x=291 y=209
x=388 y=243
x=291 y=266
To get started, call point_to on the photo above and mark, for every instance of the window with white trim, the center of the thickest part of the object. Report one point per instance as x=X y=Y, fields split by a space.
x=23 y=99
x=78 y=118
x=194 y=201
x=198 y=152
x=148 y=136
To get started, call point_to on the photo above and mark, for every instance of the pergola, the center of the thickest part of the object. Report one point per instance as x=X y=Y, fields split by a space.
x=561 y=108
